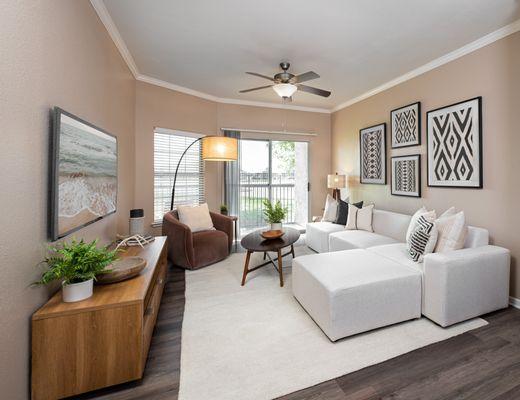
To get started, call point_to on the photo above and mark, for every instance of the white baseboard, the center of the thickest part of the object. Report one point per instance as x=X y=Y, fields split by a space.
x=514 y=302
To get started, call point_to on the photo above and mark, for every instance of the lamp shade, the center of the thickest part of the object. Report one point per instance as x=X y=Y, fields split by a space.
x=285 y=89
x=335 y=181
x=219 y=148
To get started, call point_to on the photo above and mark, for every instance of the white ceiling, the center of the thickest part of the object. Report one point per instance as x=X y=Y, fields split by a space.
x=356 y=46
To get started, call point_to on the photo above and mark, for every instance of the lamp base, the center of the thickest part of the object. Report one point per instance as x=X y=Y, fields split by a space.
x=336 y=194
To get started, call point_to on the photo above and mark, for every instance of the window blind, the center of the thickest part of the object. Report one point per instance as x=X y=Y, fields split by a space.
x=189 y=189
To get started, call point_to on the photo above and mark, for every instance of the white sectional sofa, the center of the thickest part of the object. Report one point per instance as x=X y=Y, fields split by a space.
x=365 y=280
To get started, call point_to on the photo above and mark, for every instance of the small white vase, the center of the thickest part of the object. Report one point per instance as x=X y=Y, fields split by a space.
x=276 y=226
x=77 y=291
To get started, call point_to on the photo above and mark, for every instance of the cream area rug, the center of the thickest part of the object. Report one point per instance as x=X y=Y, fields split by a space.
x=257 y=342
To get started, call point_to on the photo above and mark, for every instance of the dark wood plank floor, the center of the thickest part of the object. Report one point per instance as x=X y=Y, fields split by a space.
x=482 y=364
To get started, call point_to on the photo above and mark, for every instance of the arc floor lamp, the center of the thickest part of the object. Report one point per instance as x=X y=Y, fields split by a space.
x=214 y=148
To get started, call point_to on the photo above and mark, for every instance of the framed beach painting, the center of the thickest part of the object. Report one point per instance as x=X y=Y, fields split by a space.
x=83 y=174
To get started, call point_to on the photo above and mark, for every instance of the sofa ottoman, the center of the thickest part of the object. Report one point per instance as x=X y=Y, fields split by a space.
x=353 y=291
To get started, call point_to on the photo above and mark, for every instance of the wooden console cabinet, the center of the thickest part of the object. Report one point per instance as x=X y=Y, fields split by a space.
x=101 y=341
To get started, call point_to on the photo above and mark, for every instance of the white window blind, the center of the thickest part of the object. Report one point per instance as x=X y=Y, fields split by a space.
x=189 y=189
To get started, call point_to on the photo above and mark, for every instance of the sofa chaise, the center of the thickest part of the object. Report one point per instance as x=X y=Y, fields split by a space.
x=365 y=280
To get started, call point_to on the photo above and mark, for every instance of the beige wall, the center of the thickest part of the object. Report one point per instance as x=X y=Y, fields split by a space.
x=492 y=72
x=165 y=108
x=53 y=53
x=157 y=107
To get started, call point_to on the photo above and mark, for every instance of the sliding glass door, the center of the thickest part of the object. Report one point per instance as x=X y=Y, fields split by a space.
x=274 y=170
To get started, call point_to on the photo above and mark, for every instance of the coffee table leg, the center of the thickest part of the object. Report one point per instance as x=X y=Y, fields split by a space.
x=265 y=254
x=246 y=267
x=292 y=250
x=280 y=266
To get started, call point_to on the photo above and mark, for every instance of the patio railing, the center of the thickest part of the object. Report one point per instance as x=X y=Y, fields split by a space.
x=254 y=188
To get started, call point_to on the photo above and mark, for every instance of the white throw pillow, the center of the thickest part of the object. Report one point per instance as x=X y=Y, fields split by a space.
x=352 y=217
x=423 y=238
x=196 y=217
x=360 y=218
x=452 y=232
x=331 y=209
x=449 y=212
x=430 y=215
x=364 y=218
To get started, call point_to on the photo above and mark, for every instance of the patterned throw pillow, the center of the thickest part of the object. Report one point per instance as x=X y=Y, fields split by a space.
x=423 y=239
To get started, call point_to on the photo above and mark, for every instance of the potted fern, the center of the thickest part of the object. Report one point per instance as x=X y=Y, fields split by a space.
x=76 y=265
x=274 y=214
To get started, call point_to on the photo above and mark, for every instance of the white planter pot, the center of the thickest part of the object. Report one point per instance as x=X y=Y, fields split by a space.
x=276 y=226
x=77 y=291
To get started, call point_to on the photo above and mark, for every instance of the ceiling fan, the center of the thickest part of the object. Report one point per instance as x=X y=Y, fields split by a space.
x=286 y=84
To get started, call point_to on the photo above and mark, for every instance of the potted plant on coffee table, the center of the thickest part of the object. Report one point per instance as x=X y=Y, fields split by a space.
x=76 y=265
x=274 y=214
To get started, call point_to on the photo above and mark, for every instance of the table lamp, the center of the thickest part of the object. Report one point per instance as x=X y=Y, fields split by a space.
x=336 y=182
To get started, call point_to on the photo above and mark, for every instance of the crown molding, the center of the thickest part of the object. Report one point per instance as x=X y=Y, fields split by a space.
x=273 y=105
x=108 y=22
x=106 y=19
x=177 y=88
x=462 y=51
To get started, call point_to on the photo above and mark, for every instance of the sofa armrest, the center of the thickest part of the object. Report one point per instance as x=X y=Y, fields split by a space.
x=225 y=224
x=180 y=241
x=465 y=283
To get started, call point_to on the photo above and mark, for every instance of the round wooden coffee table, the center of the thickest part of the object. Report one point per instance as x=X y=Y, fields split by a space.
x=254 y=242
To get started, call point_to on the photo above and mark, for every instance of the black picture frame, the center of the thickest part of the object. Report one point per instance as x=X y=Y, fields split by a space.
x=429 y=147
x=54 y=149
x=383 y=162
x=417 y=105
x=418 y=172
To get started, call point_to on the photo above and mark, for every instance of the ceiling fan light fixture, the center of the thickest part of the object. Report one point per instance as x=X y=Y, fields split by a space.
x=285 y=89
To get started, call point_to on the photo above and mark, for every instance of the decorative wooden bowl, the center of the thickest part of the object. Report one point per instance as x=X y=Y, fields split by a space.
x=269 y=235
x=122 y=269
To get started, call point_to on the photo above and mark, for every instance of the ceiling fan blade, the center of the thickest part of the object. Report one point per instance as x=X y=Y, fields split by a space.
x=260 y=75
x=313 y=90
x=256 y=88
x=307 y=76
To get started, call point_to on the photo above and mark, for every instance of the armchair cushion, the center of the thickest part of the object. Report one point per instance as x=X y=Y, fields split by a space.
x=209 y=247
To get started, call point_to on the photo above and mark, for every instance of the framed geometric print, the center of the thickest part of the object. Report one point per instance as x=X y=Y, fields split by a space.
x=405 y=123
x=406 y=176
x=454 y=136
x=372 y=150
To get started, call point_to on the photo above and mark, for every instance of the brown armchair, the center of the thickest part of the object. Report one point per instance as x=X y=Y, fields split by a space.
x=195 y=250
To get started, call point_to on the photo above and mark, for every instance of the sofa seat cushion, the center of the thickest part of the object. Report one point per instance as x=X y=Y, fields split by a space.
x=397 y=252
x=353 y=291
x=347 y=240
x=209 y=247
x=317 y=235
